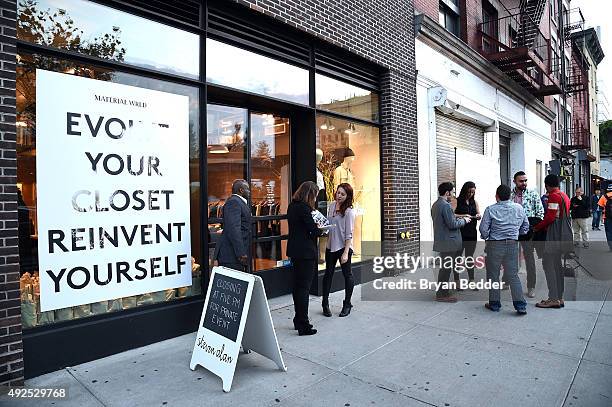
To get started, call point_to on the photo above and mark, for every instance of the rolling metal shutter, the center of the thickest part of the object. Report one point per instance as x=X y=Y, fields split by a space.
x=450 y=134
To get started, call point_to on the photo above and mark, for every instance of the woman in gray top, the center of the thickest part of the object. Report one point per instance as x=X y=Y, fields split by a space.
x=340 y=246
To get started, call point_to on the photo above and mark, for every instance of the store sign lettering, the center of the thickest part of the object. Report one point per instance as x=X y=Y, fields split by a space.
x=113 y=190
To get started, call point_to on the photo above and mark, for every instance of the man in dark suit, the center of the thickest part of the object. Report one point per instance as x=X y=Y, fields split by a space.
x=232 y=249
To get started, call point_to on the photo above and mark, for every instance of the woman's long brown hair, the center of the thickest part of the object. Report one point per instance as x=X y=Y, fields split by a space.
x=307 y=193
x=348 y=202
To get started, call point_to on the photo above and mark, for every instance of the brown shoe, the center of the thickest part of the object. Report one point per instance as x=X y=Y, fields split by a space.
x=448 y=298
x=549 y=304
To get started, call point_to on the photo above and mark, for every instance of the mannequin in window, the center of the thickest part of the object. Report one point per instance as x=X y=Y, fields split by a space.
x=321 y=203
x=343 y=173
x=320 y=180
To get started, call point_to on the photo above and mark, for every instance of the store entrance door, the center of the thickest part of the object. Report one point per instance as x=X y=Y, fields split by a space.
x=255 y=143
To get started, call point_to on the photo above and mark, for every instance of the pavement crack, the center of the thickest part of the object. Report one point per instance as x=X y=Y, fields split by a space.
x=85 y=387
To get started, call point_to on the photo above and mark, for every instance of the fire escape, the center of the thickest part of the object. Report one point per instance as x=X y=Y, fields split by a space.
x=577 y=84
x=516 y=45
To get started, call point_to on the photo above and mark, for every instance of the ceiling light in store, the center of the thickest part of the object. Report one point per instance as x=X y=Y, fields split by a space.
x=350 y=129
x=217 y=149
x=327 y=125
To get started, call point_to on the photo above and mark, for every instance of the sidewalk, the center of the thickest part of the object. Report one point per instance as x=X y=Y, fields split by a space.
x=399 y=353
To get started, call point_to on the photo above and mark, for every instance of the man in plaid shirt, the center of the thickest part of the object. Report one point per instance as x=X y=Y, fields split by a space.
x=531 y=203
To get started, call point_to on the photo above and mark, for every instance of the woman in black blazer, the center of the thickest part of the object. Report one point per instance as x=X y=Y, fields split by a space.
x=303 y=251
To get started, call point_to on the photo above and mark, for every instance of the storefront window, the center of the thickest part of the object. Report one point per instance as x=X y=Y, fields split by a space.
x=28 y=183
x=103 y=32
x=344 y=98
x=240 y=69
x=349 y=152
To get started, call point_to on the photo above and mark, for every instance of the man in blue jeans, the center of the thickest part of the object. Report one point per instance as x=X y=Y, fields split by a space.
x=596 y=209
x=500 y=226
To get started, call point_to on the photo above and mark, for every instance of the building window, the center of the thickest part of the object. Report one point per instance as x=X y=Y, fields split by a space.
x=567 y=134
x=448 y=15
x=553 y=11
x=348 y=152
x=226 y=65
x=558 y=123
x=539 y=176
x=103 y=32
x=346 y=99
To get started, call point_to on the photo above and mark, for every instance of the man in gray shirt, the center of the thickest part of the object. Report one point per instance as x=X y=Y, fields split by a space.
x=447 y=237
x=500 y=226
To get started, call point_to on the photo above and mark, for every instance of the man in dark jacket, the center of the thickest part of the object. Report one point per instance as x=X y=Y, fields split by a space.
x=596 y=209
x=232 y=249
x=579 y=209
x=447 y=237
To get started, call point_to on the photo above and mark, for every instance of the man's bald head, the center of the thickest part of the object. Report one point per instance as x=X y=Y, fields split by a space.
x=241 y=187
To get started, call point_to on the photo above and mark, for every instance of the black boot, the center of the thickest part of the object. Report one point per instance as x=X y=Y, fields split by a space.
x=297 y=326
x=326 y=310
x=346 y=309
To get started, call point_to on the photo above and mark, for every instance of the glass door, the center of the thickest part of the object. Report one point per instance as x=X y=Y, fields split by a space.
x=256 y=147
x=270 y=178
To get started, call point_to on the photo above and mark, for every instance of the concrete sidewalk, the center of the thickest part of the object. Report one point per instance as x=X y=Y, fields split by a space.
x=385 y=353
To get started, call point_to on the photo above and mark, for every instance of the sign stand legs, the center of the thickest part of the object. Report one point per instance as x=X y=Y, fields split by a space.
x=259 y=334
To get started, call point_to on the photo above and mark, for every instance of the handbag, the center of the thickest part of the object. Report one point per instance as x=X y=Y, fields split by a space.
x=559 y=235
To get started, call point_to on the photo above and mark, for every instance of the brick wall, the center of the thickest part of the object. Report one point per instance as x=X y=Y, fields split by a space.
x=11 y=351
x=428 y=7
x=470 y=20
x=379 y=30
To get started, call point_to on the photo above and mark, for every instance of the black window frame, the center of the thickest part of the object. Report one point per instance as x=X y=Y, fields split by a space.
x=452 y=12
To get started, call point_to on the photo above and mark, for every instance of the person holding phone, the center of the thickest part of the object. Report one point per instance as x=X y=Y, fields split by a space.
x=303 y=251
x=467 y=205
x=341 y=217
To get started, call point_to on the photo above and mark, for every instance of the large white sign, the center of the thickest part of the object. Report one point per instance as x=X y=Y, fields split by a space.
x=112 y=169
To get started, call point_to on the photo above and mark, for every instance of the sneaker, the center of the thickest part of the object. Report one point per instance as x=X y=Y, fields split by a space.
x=448 y=298
x=548 y=304
x=491 y=308
x=531 y=292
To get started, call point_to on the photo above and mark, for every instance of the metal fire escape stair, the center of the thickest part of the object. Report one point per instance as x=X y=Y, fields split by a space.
x=530 y=16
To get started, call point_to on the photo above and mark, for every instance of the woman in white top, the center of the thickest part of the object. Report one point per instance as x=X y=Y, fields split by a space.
x=340 y=246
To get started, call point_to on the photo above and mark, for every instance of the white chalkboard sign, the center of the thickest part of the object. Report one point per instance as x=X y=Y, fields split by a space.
x=235 y=312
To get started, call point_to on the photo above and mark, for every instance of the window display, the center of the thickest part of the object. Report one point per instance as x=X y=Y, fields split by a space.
x=28 y=190
x=351 y=154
